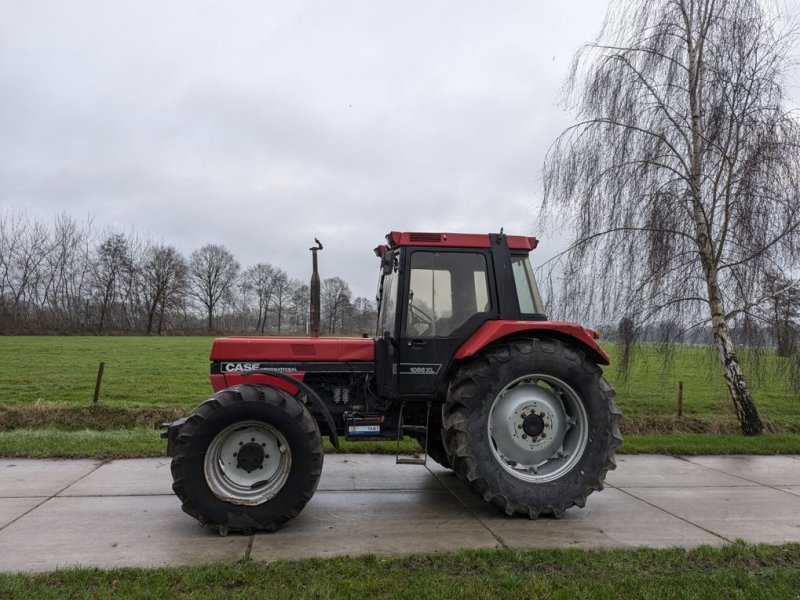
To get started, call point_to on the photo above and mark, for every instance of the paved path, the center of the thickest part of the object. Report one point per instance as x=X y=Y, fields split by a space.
x=122 y=513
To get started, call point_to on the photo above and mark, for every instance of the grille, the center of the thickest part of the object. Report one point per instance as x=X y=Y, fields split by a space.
x=426 y=237
x=304 y=350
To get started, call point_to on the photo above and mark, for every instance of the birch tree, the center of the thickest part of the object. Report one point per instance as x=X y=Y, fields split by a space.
x=681 y=176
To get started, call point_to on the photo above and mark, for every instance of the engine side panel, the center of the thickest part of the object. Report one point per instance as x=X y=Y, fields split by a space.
x=226 y=373
x=250 y=349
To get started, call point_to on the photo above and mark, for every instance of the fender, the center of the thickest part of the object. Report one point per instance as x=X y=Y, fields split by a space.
x=315 y=400
x=221 y=381
x=492 y=331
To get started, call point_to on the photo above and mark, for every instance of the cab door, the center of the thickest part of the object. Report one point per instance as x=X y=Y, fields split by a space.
x=445 y=299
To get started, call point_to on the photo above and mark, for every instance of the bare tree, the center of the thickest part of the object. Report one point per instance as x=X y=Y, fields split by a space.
x=164 y=274
x=260 y=280
x=682 y=174
x=26 y=245
x=132 y=300
x=782 y=311
x=280 y=294
x=299 y=304
x=64 y=270
x=212 y=272
x=365 y=315
x=335 y=298
x=110 y=263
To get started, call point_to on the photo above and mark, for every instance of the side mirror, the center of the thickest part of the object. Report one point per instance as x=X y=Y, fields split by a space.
x=387 y=263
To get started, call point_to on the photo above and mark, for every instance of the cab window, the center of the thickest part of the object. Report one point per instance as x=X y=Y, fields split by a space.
x=387 y=299
x=527 y=290
x=445 y=290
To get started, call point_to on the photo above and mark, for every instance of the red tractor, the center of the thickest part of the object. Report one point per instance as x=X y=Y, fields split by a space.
x=464 y=361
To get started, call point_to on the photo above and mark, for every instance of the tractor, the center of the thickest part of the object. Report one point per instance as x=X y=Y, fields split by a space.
x=464 y=360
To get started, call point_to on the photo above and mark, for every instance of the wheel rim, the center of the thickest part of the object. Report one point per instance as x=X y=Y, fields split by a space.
x=538 y=428
x=247 y=463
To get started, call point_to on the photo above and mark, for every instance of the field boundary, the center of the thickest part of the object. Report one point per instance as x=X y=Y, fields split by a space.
x=72 y=418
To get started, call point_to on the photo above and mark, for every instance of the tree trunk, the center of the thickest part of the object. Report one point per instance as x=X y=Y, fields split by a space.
x=743 y=403
x=151 y=313
x=161 y=319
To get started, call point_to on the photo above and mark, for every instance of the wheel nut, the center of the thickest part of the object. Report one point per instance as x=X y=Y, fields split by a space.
x=524 y=437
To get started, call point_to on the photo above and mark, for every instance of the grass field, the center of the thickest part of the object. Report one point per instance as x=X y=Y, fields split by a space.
x=139 y=371
x=47 y=383
x=734 y=571
x=173 y=372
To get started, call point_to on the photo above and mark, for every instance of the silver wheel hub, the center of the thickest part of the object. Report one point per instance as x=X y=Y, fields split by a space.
x=538 y=428
x=247 y=463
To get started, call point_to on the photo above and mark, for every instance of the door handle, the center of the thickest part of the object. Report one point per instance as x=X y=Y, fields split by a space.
x=417 y=343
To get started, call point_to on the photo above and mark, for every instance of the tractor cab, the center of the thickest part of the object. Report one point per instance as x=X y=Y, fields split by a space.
x=436 y=291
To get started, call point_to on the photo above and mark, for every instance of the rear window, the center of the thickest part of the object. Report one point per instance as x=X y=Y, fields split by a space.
x=527 y=291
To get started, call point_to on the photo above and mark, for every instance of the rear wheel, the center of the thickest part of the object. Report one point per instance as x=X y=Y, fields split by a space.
x=531 y=426
x=249 y=458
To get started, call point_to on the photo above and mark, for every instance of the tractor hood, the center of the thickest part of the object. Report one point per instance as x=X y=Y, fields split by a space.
x=269 y=349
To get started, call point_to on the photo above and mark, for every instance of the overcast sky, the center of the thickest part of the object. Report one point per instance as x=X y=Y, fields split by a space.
x=259 y=125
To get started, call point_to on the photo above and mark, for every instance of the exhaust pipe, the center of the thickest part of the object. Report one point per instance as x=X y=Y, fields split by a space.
x=314 y=304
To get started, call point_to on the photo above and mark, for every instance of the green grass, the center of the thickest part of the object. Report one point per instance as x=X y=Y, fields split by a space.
x=734 y=571
x=144 y=442
x=138 y=442
x=54 y=443
x=710 y=443
x=652 y=389
x=173 y=372
x=139 y=371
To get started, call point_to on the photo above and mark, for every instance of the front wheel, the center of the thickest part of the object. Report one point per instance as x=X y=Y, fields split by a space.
x=249 y=458
x=531 y=426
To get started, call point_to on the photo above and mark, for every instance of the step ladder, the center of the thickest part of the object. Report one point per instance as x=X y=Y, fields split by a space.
x=402 y=429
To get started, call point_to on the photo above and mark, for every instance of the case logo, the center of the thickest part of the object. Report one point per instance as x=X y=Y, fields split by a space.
x=245 y=367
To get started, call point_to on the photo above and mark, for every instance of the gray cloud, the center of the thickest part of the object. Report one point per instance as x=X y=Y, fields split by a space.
x=259 y=125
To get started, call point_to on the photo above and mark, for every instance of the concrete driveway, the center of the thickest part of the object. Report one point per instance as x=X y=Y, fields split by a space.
x=62 y=513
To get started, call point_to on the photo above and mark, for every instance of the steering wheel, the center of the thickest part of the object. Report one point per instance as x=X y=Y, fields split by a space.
x=421 y=321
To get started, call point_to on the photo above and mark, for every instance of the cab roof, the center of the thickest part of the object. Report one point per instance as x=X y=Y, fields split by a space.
x=456 y=240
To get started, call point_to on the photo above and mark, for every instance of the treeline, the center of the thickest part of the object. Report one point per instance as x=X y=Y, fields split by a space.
x=66 y=277
x=781 y=333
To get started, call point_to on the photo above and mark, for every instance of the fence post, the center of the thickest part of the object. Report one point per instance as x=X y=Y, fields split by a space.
x=99 y=379
x=680 y=398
